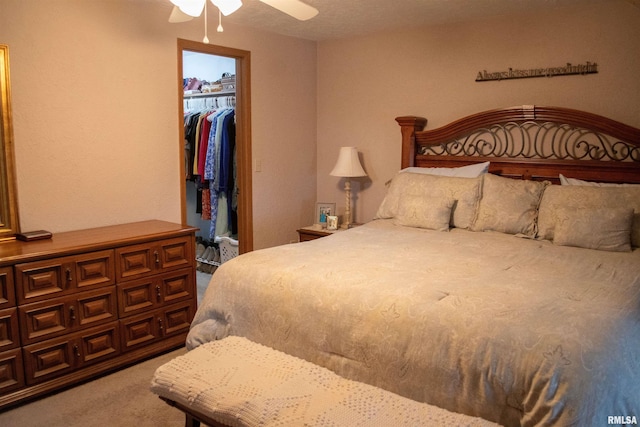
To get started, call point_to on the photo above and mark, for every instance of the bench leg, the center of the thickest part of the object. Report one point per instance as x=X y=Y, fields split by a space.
x=190 y=421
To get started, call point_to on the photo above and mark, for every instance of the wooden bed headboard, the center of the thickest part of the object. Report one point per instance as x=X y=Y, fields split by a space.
x=528 y=142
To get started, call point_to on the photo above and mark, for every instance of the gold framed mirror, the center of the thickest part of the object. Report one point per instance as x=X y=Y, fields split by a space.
x=9 y=225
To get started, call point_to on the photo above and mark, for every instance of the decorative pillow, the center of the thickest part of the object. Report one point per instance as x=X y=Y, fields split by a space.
x=607 y=229
x=578 y=197
x=466 y=192
x=509 y=205
x=470 y=171
x=574 y=181
x=434 y=215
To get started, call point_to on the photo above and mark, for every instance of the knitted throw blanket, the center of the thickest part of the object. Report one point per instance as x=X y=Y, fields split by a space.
x=241 y=383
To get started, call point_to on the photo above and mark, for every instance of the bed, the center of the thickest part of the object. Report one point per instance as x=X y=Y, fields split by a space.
x=485 y=285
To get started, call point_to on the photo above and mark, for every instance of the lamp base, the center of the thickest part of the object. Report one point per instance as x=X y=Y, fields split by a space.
x=347 y=208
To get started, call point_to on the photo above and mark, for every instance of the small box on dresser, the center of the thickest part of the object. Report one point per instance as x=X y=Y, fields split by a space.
x=91 y=301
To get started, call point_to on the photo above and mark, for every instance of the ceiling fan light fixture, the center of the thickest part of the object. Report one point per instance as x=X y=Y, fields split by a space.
x=190 y=7
x=227 y=7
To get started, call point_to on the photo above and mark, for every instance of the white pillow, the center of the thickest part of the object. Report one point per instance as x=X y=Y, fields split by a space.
x=509 y=205
x=431 y=188
x=557 y=197
x=470 y=171
x=574 y=181
x=606 y=229
x=413 y=212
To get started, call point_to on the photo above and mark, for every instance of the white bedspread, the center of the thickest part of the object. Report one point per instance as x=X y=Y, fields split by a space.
x=513 y=330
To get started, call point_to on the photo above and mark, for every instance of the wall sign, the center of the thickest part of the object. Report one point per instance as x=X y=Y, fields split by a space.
x=567 y=70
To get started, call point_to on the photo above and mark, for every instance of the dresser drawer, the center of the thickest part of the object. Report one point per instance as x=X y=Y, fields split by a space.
x=9 y=330
x=143 y=260
x=7 y=293
x=11 y=372
x=48 y=319
x=39 y=280
x=136 y=296
x=176 y=319
x=53 y=358
x=153 y=326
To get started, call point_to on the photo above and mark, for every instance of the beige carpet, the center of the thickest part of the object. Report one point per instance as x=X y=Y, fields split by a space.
x=119 y=399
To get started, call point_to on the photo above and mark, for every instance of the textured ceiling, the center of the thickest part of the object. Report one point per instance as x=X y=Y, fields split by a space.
x=349 y=18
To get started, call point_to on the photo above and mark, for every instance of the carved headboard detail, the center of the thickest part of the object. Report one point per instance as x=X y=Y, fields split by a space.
x=528 y=142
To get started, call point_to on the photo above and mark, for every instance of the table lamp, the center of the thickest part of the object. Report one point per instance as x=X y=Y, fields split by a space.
x=348 y=166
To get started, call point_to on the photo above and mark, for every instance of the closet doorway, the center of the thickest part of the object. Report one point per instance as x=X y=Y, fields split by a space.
x=242 y=134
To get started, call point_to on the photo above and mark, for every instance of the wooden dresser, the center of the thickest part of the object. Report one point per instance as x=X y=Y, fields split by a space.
x=90 y=301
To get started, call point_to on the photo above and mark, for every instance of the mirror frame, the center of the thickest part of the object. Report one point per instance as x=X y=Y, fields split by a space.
x=9 y=224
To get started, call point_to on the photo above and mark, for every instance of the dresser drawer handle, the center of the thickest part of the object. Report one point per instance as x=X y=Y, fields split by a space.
x=161 y=326
x=68 y=272
x=76 y=350
x=158 y=294
x=157 y=255
x=72 y=313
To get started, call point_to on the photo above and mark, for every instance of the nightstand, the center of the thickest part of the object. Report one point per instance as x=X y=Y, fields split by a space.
x=313 y=232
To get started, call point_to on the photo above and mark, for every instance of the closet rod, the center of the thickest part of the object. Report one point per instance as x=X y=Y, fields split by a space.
x=211 y=94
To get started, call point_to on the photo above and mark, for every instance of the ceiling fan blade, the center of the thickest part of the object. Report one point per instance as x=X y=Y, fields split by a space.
x=190 y=7
x=295 y=8
x=179 y=16
x=227 y=7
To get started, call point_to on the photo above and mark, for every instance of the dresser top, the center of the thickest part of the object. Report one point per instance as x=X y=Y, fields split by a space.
x=71 y=242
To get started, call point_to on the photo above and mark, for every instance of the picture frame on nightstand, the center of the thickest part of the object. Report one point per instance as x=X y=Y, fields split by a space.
x=323 y=210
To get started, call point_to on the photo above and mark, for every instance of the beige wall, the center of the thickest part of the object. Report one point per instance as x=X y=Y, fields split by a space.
x=95 y=102
x=364 y=83
x=95 y=115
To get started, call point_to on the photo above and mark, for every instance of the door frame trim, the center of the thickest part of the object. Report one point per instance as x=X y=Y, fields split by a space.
x=243 y=135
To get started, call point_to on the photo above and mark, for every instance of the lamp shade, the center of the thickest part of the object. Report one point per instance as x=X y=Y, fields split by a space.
x=348 y=164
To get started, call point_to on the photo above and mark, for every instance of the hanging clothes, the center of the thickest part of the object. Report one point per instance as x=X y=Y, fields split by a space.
x=223 y=180
x=210 y=155
x=217 y=168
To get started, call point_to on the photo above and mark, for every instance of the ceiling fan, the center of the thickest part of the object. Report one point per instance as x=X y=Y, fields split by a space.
x=185 y=10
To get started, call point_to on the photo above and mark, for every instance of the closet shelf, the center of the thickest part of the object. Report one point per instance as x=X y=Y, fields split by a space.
x=210 y=94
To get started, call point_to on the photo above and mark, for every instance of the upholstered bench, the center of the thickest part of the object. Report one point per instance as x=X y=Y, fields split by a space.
x=235 y=382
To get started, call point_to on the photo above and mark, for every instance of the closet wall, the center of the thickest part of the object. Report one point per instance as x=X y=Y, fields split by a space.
x=199 y=101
